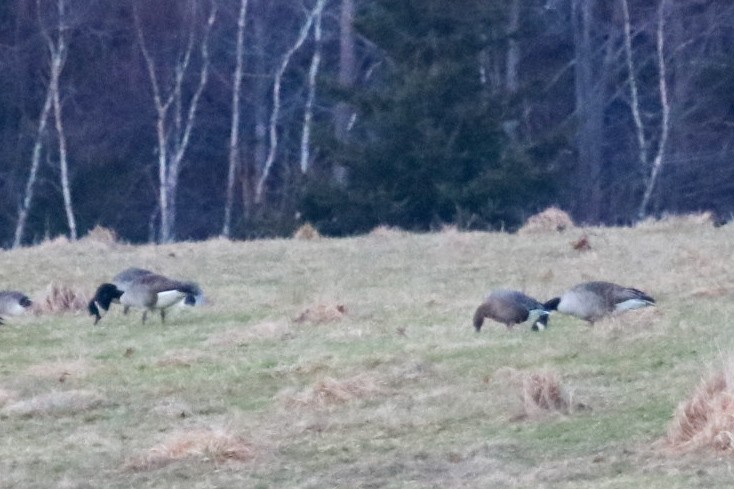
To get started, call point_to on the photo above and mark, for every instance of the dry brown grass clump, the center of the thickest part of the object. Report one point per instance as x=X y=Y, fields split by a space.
x=307 y=232
x=213 y=445
x=322 y=313
x=550 y=220
x=706 y=420
x=100 y=234
x=329 y=391
x=61 y=370
x=542 y=392
x=54 y=403
x=62 y=298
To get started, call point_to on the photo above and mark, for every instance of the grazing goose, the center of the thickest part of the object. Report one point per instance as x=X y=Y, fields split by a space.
x=591 y=301
x=149 y=292
x=126 y=277
x=13 y=303
x=511 y=307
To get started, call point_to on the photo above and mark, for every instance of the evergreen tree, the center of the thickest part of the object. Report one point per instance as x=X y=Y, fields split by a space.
x=428 y=147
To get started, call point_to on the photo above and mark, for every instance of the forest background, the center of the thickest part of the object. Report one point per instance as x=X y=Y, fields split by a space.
x=187 y=119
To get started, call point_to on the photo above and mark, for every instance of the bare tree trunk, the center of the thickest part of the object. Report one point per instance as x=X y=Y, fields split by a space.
x=169 y=164
x=657 y=162
x=234 y=137
x=308 y=112
x=58 y=55
x=590 y=99
x=275 y=114
x=347 y=76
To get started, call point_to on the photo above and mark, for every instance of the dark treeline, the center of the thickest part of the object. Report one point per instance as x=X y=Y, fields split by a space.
x=355 y=113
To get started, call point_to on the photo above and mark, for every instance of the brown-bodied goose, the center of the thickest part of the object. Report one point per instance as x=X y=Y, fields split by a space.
x=149 y=292
x=592 y=301
x=13 y=303
x=511 y=307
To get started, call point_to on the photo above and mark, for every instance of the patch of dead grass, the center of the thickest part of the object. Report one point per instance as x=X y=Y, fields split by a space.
x=322 y=313
x=706 y=419
x=101 y=234
x=54 y=403
x=307 y=233
x=551 y=220
x=541 y=392
x=206 y=444
x=61 y=369
x=180 y=358
x=60 y=298
x=384 y=231
x=268 y=330
x=329 y=391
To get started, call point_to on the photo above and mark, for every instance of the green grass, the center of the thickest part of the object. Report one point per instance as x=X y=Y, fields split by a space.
x=435 y=409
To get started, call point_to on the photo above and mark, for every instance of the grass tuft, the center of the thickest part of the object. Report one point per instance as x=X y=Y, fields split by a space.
x=550 y=220
x=542 y=392
x=329 y=391
x=322 y=313
x=706 y=419
x=307 y=232
x=62 y=298
x=214 y=445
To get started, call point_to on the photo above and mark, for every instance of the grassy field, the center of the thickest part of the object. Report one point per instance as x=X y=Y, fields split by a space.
x=353 y=363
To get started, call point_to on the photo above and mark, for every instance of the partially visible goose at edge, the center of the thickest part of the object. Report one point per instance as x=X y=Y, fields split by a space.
x=149 y=292
x=592 y=301
x=511 y=307
x=13 y=303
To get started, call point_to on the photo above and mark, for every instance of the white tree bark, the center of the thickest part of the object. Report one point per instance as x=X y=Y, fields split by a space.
x=308 y=112
x=57 y=56
x=274 y=115
x=652 y=168
x=234 y=136
x=178 y=136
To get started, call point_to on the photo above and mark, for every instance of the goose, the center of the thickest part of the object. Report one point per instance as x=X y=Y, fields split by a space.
x=511 y=307
x=592 y=301
x=149 y=292
x=13 y=303
x=125 y=278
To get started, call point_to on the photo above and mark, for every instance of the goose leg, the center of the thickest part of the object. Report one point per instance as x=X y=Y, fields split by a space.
x=145 y=316
x=163 y=316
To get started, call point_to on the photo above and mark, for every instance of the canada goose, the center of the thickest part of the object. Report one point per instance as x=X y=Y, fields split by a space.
x=149 y=292
x=511 y=307
x=126 y=277
x=591 y=301
x=13 y=303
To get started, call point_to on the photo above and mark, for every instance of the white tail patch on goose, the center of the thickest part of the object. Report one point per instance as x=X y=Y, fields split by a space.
x=168 y=298
x=631 y=304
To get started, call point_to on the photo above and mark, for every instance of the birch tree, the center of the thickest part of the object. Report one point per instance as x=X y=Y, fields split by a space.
x=275 y=114
x=234 y=138
x=651 y=167
x=173 y=128
x=311 y=97
x=57 y=49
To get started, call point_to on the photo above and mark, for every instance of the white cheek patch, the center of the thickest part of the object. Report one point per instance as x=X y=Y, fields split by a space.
x=168 y=298
x=630 y=304
x=15 y=310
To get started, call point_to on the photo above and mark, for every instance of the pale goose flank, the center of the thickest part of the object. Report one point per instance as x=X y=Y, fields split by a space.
x=592 y=301
x=13 y=303
x=149 y=292
x=511 y=307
